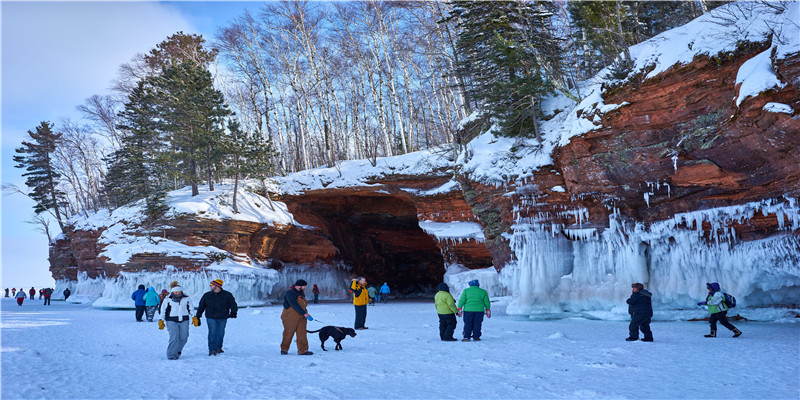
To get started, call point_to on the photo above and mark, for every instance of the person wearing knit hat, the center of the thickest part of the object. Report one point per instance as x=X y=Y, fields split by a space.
x=295 y=318
x=177 y=310
x=473 y=305
x=219 y=305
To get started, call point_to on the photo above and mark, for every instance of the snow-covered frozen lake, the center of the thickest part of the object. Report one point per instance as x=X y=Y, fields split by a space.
x=71 y=351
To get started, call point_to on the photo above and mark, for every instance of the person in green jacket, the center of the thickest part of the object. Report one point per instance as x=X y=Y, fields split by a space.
x=473 y=305
x=446 y=308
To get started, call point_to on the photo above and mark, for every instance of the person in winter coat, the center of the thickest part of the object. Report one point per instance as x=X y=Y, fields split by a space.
x=641 y=310
x=161 y=296
x=360 y=299
x=47 y=293
x=20 y=296
x=383 y=293
x=718 y=310
x=66 y=294
x=7 y=290
x=32 y=292
x=14 y=292
x=446 y=309
x=151 y=302
x=473 y=305
x=315 y=291
x=138 y=301
x=219 y=305
x=41 y=293
x=295 y=318
x=372 y=293
x=176 y=309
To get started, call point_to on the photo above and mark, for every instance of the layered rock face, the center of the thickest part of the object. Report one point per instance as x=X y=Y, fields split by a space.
x=680 y=145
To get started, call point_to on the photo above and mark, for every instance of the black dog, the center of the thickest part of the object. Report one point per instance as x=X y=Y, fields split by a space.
x=338 y=334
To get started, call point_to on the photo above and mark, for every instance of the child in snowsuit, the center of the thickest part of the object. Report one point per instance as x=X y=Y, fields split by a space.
x=640 y=307
x=177 y=310
x=718 y=310
x=20 y=296
x=446 y=309
x=151 y=301
x=473 y=305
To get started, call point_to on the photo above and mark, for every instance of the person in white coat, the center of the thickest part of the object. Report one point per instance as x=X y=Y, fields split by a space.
x=177 y=310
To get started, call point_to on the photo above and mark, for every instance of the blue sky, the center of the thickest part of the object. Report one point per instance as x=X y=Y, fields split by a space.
x=54 y=56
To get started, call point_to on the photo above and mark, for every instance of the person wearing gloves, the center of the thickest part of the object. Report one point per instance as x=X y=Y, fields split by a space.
x=295 y=317
x=151 y=301
x=360 y=299
x=176 y=309
x=718 y=310
x=473 y=305
x=219 y=305
x=446 y=308
x=640 y=308
x=138 y=301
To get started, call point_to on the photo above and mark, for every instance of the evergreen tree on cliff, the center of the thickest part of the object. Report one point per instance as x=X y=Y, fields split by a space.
x=36 y=157
x=504 y=47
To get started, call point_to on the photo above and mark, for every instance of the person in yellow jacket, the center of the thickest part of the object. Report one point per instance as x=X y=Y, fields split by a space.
x=360 y=299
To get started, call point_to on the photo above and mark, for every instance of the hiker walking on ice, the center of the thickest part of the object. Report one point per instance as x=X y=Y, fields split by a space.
x=20 y=296
x=138 y=301
x=640 y=307
x=383 y=293
x=446 y=309
x=151 y=301
x=219 y=305
x=66 y=294
x=176 y=309
x=718 y=310
x=48 y=292
x=295 y=318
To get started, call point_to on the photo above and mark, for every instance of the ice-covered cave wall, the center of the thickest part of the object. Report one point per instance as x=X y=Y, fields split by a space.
x=558 y=269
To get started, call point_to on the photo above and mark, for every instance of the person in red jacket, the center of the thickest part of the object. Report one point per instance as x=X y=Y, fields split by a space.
x=32 y=292
x=47 y=293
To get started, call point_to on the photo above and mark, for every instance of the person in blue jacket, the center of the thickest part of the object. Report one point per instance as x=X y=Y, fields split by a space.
x=718 y=310
x=138 y=301
x=640 y=307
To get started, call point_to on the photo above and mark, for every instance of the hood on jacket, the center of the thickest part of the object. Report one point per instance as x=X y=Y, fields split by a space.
x=713 y=286
x=443 y=287
x=151 y=289
x=645 y=293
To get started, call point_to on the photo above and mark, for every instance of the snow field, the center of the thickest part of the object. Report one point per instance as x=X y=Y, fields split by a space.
x=71 y=351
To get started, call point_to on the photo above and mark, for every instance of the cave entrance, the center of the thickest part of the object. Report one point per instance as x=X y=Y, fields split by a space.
x=379 y=236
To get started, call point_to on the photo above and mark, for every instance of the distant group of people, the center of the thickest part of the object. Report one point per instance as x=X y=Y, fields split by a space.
x=20 y=295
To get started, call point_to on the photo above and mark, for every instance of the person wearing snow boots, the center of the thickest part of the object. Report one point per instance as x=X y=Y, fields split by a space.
x=138 y=301
x=640 y=307
x=151 y=301
x=718 y=310
x=473 y=305
x=48 y=292
x=176 y=309
x=20 y=296
x=295 y=318
x=360 y=299
x=446 y=309
x=219 y=305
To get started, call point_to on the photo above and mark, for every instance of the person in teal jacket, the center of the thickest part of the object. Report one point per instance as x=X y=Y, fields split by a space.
x=473 y=305
x=718 y=310
x=446 y=308
x=151 y=300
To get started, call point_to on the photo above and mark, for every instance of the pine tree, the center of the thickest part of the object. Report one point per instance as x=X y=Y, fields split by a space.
x=504 y=47
x=42 y=177
x=191 y=113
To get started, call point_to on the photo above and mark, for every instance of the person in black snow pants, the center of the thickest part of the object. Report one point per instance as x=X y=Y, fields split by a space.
x=66 y=294
x=138 y=301
x=640 y=307
x=718 y=310
x=219 y=305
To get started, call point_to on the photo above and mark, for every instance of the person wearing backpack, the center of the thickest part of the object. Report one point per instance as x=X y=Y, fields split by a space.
x=718 y=310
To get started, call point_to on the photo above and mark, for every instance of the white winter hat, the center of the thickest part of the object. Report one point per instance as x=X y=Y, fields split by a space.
x=177 y=289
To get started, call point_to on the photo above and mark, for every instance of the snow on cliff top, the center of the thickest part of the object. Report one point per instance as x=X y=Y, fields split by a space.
x=496 y=159
x=357 y=173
